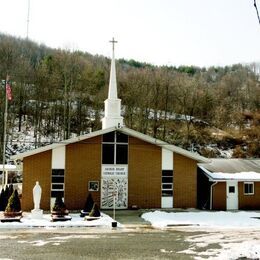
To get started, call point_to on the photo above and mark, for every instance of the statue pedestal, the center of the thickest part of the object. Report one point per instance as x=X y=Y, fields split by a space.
x=36 y=213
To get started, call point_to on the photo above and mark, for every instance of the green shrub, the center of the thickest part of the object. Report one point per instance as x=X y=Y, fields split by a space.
x=59 y=204
x=89 y=203
x=14 y=204
x=95 y=211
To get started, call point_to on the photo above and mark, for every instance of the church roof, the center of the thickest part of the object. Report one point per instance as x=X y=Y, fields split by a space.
x=232 y=169
x=124 y=130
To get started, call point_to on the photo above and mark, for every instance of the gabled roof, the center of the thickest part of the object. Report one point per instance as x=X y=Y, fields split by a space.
x=232 y=169
x=124 y=130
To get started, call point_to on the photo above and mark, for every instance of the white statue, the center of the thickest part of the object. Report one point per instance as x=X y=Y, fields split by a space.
x=37 y=192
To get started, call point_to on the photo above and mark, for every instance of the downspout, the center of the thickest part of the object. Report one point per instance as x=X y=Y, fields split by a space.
x=211 y=193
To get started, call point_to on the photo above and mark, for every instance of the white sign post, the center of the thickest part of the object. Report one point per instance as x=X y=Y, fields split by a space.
x=114 y=223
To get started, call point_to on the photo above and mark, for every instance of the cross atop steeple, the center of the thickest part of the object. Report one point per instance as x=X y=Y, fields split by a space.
x=113 y=43
x=112 y=103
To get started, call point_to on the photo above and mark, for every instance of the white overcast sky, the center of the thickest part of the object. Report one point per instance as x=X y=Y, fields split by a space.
x=161 y=32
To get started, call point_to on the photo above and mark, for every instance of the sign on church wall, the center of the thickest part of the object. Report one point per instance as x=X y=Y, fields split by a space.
x=114 y=171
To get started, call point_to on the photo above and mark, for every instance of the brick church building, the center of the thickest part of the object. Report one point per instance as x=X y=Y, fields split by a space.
x=138 y=170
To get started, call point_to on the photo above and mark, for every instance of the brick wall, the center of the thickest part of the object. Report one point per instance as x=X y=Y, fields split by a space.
x=36 y=168
x=184 y=182
x=144 y=179
x=83 y=164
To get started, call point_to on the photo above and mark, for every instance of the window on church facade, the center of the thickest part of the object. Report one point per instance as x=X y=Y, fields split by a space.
x=167 y=183
x=115 y=148
x=57 y=183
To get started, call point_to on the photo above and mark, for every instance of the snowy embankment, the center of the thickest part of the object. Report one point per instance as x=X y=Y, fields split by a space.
x=76 y=221
x=161 y=219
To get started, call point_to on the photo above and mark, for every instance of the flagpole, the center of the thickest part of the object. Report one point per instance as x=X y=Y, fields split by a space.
x=4 y=142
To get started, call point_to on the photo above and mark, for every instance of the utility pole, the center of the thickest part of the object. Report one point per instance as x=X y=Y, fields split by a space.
x=28 y=20
x=4 y=133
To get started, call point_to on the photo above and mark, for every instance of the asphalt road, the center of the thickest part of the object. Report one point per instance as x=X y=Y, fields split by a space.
x=91 y=243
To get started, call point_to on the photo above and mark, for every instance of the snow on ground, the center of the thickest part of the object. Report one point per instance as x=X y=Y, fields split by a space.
x=230 y=235
x=221 y=219
x=76 y=221
x=227 y=246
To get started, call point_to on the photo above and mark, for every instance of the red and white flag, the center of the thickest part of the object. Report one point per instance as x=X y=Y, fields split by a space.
x=8 y=89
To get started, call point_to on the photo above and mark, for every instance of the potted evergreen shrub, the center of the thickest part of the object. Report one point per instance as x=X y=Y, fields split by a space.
x=88 y=206
x=59 y=207
x=94 y=213
x=3 y=202
x=10 y=190
x=59 y=211
x=13 y=208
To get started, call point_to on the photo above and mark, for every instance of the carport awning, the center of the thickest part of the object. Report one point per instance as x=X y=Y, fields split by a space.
x=238 y=176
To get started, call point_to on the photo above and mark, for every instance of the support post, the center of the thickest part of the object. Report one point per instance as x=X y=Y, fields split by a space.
x=4 y=135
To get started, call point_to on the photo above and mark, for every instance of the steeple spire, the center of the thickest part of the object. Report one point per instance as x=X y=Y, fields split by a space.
x=112 y=92
x=112 y=103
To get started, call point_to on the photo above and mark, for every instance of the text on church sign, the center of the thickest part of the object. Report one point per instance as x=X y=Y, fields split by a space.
x=114 y=171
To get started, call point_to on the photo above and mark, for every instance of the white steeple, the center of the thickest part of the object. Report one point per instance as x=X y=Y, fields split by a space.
x=112 y=104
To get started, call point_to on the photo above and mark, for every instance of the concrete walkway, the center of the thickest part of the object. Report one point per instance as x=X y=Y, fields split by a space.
x=128 y=217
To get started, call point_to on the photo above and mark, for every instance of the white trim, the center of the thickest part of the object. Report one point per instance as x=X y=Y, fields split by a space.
x=58 y=157
x=167 y=159
x=165 y=145
x=124 y=130
x=253 y=184
x=211 y=194
x=167 y=202
x=62 y=143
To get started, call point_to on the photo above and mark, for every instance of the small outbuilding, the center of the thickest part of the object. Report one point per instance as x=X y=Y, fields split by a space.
x=229 y=184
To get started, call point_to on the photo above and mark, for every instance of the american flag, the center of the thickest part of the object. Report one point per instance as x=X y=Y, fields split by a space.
x=8 y=89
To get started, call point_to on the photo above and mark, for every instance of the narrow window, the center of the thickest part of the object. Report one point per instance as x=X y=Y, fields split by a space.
x=167 y=183
x=108 y=152
x=57 y=186
x=121 y=154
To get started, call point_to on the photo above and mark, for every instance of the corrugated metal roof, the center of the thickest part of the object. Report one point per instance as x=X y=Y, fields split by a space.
x=232 y=165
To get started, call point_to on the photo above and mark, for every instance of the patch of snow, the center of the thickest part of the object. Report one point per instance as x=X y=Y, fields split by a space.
x=239 y=219
x=76 y=221
x=232 y=245
x=239 y=240
x=252 y=176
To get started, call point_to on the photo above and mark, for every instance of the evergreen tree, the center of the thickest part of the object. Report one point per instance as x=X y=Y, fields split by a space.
x=6 y=196
x=95 y=211
x=14 y=204
x=59 y=204
x=2 y=200
x=89 y=203
x=11 y=190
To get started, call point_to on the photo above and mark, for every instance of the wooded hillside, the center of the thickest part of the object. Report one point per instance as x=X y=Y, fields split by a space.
x=59 y=93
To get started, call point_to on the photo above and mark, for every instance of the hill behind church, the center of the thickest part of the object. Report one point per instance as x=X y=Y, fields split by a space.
x=59 y=93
